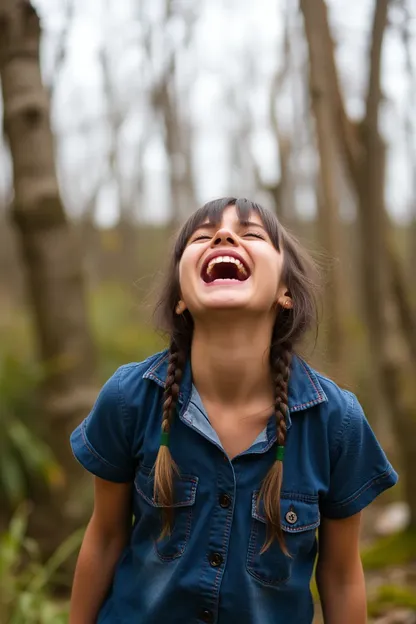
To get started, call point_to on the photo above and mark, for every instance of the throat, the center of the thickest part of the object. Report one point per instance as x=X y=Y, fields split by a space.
x=230 y=363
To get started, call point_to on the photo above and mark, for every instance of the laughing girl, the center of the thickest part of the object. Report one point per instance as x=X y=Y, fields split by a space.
x=221 y=463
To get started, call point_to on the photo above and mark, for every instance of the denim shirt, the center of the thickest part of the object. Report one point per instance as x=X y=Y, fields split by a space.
x=210 y=568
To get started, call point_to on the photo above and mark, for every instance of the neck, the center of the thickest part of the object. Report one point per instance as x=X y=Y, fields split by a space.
x=230 y=363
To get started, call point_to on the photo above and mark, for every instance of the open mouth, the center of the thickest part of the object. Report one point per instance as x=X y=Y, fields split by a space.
x=224 y=268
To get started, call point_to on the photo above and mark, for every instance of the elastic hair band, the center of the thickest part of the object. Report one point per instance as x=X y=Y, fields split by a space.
x=164 y=438
x=280 y=453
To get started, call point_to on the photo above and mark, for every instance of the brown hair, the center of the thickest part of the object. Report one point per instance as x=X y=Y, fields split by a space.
x=290 y=326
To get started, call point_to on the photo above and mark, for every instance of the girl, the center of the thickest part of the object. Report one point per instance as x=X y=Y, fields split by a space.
x=227 y=450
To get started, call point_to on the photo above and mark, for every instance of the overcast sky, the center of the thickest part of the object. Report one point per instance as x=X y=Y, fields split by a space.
x=227 y=33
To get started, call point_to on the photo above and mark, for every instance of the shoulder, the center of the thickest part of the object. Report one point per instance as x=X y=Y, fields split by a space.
x=308 y=388
x=347 y=426
x=338 y=407
x=359 y=469
x=134 y=379
x=339 y=399
x=139 y=370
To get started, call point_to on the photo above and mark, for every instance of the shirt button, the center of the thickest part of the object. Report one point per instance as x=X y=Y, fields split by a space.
x=216 y=560
x=291 y=517
x=225 y=501
x=206 y=616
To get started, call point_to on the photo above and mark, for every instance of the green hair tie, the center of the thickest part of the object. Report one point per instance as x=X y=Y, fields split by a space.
x=280 y=453
x=164 y=438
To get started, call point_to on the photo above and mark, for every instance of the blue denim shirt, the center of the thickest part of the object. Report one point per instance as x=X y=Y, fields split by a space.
x=210 y=568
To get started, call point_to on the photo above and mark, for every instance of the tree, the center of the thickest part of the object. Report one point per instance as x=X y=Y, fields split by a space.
x=328 y=187
x=384 y=294
x=49 y=249
x=173 y=110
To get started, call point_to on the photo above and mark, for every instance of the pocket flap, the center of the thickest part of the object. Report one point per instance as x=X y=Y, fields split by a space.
x=185 y=487
x=299 y=512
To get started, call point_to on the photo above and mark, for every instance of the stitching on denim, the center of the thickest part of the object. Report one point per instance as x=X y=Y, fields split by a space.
x=364 y=488
x=155 y=378
x=318 y=392
x=307 y=498
x=251 y=554
x=156 y=365
x=161 y=383
x=185 y=503
x=126 y=421
x=345 y=424
x=304 y=527
x=320 y=395
x=93 y=452
x=286 y=496
x=220 y=571
x=297 y=407
x=179 y=552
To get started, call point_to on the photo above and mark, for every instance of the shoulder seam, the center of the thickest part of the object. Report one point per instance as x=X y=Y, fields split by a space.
x=120 y=397
x=345 y=422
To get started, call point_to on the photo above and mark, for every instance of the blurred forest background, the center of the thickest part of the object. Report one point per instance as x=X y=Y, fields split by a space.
x=119 y=119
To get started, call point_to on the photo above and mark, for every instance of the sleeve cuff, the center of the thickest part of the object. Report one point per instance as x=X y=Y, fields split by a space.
x=92 y=461
x=361 y=498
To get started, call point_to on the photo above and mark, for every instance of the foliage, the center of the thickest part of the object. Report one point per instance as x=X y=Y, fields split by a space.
x=23 y=454
x=122 y=332
x=389 y=596
x=397 y=549
x=25 y=580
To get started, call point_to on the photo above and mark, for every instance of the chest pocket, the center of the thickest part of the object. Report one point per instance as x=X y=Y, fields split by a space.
x=299 y=520
x=150 y=513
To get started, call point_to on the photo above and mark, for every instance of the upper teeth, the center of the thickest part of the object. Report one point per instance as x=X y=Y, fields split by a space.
x=219 y=259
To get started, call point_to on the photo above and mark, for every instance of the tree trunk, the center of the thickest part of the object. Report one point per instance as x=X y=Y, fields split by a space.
x=49 y=250
x=328 y=203
x=177 y=135
x=386 y=316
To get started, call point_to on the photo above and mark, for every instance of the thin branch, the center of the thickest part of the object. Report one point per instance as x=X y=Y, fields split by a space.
x=61 y=52
x=374 y=95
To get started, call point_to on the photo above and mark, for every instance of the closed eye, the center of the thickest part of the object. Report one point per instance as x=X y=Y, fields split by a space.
x=201 y=237
x=255 y=235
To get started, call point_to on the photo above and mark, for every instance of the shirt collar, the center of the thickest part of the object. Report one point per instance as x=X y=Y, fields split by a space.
x=305 y=389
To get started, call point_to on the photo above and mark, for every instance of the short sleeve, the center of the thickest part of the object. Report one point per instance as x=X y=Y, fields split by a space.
x=360 y=470
x=101 y=443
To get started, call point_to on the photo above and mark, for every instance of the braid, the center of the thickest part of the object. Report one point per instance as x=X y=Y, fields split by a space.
x=280 y=360
x=165 y=467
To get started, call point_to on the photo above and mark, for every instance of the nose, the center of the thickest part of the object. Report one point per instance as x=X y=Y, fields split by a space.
x=224 y=237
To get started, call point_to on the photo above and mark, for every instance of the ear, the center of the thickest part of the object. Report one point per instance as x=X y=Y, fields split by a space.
x=180 y=307
x=284 y=299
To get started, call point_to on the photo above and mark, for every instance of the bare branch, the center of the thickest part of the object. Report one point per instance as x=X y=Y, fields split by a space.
x=60 y=54
x=374 y=86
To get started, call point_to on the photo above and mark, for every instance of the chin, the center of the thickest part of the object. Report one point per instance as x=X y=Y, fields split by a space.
x=224 y=304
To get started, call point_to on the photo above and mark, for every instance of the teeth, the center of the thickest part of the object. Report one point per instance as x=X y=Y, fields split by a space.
x=228 y=259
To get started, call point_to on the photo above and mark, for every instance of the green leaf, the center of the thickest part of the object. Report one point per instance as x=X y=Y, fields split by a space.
x=13 y=480
x=62 y=554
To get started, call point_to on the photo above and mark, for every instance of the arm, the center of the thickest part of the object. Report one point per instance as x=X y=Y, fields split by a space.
x=339 y=573
x=105 y=538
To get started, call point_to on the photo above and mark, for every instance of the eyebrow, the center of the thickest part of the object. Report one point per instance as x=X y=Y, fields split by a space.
x=243 y=223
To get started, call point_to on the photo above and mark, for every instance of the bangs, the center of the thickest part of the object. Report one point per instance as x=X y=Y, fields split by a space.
x=212 y=213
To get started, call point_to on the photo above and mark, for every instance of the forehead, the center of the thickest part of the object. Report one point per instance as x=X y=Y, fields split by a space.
x=231 y=216
x=230 y=213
